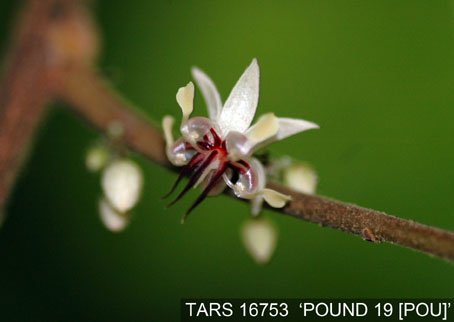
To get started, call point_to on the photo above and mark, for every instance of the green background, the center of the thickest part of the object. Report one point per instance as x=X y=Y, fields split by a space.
x=378 y=76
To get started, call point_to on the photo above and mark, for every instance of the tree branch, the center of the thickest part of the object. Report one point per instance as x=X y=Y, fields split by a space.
x=89 y=95
x=24 y=93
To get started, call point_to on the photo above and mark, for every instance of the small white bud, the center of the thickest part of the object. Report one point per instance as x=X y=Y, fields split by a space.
x=113 y=220
x=115 y=130
x=96 y=158
x=122 y=182
x=259 y=237
x=300 y=177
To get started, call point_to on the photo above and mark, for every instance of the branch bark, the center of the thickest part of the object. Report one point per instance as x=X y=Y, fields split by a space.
x=72 y=40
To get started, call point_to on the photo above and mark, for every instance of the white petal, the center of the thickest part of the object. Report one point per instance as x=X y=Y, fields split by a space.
x=209 y=92
x=251 y=183
x=238 y=145
x=275 y=199
x=167 y=124
x=300 y=177
x=185 y=98
x=113 y=221
x=178 y=154
x=288 y=127
x=266 y=127
x=196 y=128
x=257 y=201
x=256 y=205
x=259 y=237
x=261 y=173
x=239 y=109
x=122 y=183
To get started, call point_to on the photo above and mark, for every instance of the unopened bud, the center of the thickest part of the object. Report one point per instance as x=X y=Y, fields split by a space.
x=259 y=237
x=122 y=182
x=115 y=130
x=300 y=177
x=113 y=220
x=96 y=158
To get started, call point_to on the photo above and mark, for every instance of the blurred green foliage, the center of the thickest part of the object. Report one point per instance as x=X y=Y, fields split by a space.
x=378 y=76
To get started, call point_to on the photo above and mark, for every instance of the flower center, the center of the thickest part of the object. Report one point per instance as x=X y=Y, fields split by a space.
x=213 y=142
x=208 y=165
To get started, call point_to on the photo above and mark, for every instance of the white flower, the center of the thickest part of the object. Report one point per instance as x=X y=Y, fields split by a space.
x=122 y=183
x=111 y=218
x=259 y=237
x=218 y=150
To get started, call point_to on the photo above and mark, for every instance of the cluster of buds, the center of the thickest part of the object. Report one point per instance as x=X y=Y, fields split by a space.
x=121 y=183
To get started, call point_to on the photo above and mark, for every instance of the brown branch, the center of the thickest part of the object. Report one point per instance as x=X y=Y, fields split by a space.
x=69 y=37
x=97 y=103
x=372 y=225
x=23 y=95
x=51 y=35
x=90 y=97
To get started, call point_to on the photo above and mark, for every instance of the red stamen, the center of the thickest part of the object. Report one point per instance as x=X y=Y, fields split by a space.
x=240 y=165
x=214 y=180
x=195 y=177
x=244 y=163
x=236 y=168
x=196 y=159
x=217 y=139
x=207 y=140
x=188 y=146
x=204 y=145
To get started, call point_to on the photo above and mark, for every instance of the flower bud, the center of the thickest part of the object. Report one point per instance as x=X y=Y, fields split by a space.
x=259 y=237
x=112 y=220
x=96 y=158
x=122 y=182
x=300 y=177
x=115 y=130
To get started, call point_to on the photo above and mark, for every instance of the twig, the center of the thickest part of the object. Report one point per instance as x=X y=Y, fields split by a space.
x=371 y=225
x=89 y=95
x=92 y=97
